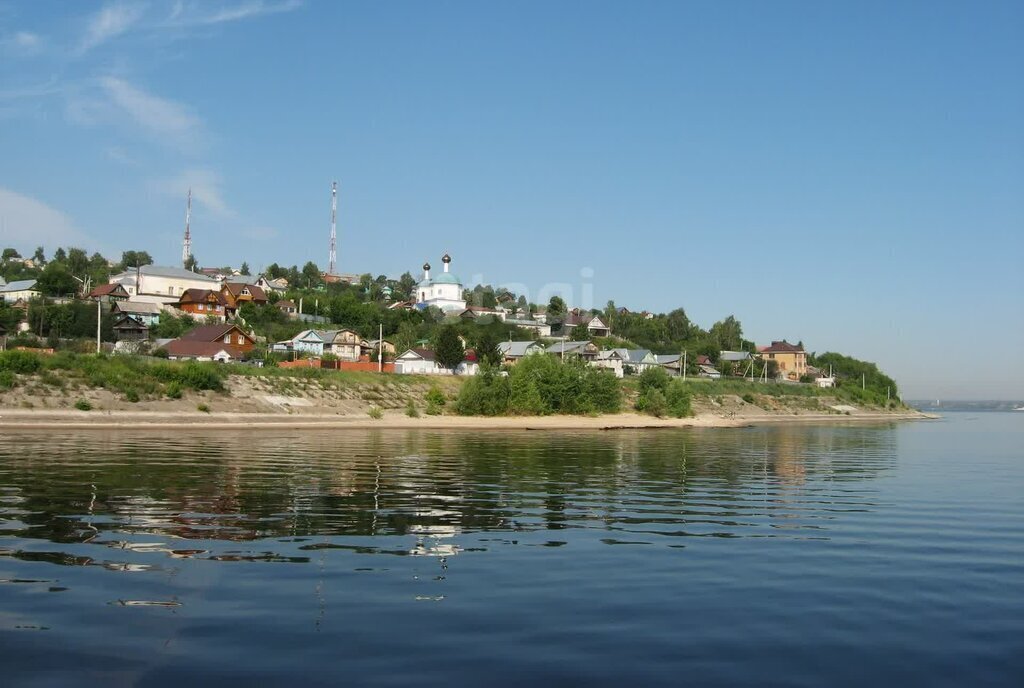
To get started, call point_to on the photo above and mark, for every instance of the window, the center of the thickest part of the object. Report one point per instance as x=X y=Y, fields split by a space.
x=201 y=307
x=245 y=292
x=227 y=339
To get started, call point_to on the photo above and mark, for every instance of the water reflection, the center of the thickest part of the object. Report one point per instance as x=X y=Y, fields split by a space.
x=123 y=492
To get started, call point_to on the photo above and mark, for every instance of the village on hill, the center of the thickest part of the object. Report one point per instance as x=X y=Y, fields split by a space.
x=433 y=325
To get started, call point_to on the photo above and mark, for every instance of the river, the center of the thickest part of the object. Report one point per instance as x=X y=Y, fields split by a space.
x=805 y=555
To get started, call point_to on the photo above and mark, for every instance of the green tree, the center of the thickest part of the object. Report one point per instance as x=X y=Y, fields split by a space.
x=245 y=269
x=192 y=263
x=556 y=307
x=727 y=334
x=78 y=262
x=10 y=254
x=448 y=349
x=310 y=275
x=131 y=259
x=56 y=280
x=39 y=256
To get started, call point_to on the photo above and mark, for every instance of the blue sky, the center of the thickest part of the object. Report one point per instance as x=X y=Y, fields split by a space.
x=850 y=175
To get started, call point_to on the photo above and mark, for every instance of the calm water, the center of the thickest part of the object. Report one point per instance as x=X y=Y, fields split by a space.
x=806 y=556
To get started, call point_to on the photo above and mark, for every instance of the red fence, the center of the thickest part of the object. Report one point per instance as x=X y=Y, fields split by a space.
x=365 y=366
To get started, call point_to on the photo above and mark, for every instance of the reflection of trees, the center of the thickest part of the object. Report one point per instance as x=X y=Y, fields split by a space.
x=431 y=484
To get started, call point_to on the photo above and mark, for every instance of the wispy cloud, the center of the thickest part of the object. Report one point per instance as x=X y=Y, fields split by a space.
x=207 y=13
x=28 y=222
x=206 y=185
x=111 y=21
x=21 y=43
x=153 y=113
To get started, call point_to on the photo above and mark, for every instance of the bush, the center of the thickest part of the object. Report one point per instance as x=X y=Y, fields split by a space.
x=173 y=390
x=653 y=378
x=160 y=353
x=7 y=380
x=485 y=394
x=677 y=397
x=203 y=407
x=433 y=409
x=411 y=410
x=21 y=362
x=435 y=396
x=132 y=395
x=83 y=405
x=749 y=398
x=654 y=402
x=375 y=413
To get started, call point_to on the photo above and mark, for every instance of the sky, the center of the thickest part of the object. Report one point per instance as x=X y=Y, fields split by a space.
x=849 y=175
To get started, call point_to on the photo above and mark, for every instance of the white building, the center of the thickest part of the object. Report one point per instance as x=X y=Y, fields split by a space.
x=443 y=291
x=19 y=290
x=167 y=284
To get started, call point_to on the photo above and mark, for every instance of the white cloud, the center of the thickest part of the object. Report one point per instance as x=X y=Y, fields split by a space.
x=201 y=14
x=206 y=188
x=21 y=43
x=110 y=22
x=158 y=115
x=27 y=222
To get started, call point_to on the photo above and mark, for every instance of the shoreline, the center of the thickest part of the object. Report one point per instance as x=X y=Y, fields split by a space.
x=18 y=419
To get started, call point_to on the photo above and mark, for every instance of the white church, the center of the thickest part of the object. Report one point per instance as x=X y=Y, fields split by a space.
x=443 y=291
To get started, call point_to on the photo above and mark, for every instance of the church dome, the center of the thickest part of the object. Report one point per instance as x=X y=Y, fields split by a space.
x=446 y=278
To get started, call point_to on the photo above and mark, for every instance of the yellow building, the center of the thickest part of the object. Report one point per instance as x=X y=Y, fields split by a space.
x=791 y=358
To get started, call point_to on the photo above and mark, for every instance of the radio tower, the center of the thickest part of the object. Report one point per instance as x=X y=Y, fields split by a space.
x=186 y=245
x=334 y=229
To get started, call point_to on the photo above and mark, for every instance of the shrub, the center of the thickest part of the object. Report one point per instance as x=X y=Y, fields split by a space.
x=21 y=362
x=173 y=390
x=132 y=395
x=749 y=398
x=653 y=378
x=433 y=409
x=485 y=394
x=677 y=397
x=411 y=410
x=524 y=397
x=83 y=405
x=435 y=396
x=655 y=403
x=160 y=353
x=7 y=380
x=203 y=407
x=375 y=413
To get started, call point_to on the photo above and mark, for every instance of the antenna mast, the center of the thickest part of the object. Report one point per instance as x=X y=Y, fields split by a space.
x=186 y=245
x=334 y=229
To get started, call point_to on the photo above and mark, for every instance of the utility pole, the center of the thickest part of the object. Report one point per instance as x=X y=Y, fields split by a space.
x=333 y=257
x=186 y=245
x=684 y=365
x=99 y=319
x=380 y=348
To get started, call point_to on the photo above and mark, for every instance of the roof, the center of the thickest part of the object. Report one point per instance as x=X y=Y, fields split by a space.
x=634 y=355
x=113 y=289
x=2 y=281
x=235 y=289
x=127 y=321
x=165 y=271
x=524 y=322
x=518 y=349
x=201 y=296
x=19 y=285
x=666 y=359
x=285 y=303
x=783 y=347
x=211 y=333
x=138 y=307
x=425 y=354
x=443 y=278
x=568 y=347
x=185 y=347
x=733 y=356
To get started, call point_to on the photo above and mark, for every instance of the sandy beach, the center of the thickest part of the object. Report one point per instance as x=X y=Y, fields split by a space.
x=14 y=419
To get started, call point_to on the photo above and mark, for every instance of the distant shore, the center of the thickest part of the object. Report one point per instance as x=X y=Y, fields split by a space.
x=15 y=419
